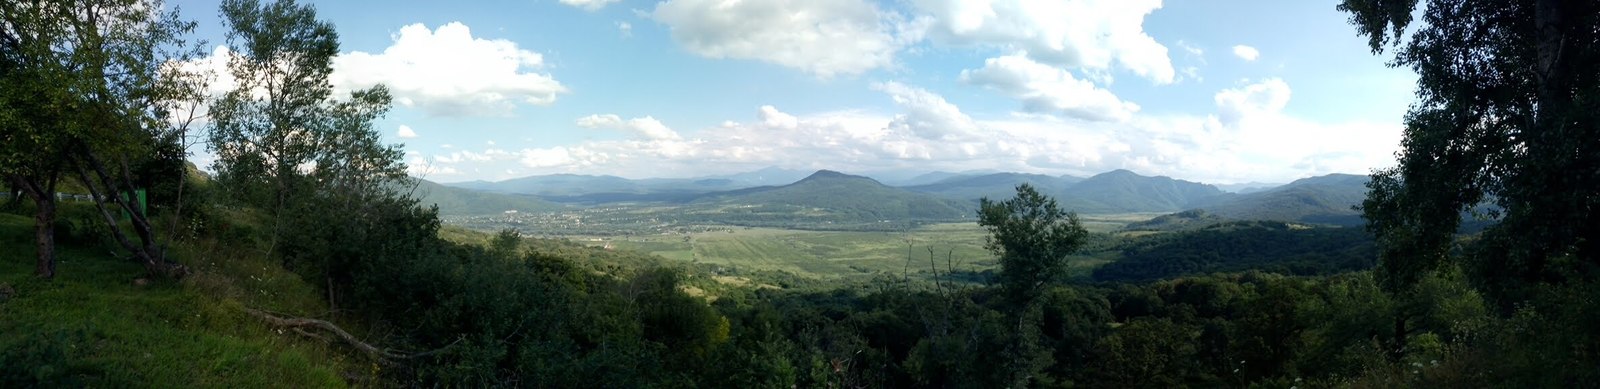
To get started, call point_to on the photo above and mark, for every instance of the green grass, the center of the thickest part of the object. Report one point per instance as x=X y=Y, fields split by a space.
x=851 y=255
x=93 y=326
x=818 y=254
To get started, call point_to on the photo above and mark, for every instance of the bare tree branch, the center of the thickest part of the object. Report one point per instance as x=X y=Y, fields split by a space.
x=299 y=325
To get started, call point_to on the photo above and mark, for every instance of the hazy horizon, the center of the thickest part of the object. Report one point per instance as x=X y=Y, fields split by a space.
x=894 y=175
x=645 y=89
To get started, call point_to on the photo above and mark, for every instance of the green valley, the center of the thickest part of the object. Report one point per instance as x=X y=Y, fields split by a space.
x=953 y=194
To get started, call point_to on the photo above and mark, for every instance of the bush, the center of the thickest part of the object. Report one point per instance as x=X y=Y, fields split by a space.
x=81 y=225
x=42 y=360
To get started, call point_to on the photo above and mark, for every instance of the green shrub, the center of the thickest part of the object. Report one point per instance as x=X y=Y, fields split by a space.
x=42 y=360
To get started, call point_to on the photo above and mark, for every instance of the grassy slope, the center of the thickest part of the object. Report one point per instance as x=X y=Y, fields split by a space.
x=92 y=326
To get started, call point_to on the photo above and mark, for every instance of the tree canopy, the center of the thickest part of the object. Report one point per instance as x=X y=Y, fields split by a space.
x=1508 y=98
x=86 y=88
x=1033 y=237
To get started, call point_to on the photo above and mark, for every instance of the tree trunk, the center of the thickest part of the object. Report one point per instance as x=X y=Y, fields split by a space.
x=1398 y=350
x=146 y=253
x=44 y=225
x=43 y=193
x=1553 y=97
x=14 y=199
x=332 y=304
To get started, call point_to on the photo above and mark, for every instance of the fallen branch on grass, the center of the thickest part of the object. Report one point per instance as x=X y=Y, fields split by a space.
x=300 y=325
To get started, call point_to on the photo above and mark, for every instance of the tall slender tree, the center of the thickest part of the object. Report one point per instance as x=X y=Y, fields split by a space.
x=286 y=144
x=1033 y=237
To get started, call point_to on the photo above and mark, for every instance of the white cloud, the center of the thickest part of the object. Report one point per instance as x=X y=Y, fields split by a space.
x=1238 y=104
x=1246 y=53
x=772 y=117
x=588 y=5
x=1192 y=73
x=646 y=127
x=444 y=72
x=406 y=132
x=1045 y=89
x=460 y=156
x=626 y=28
x=927 y=115
x=1250 y=136
x=448 y=72
x=1191 y=49
x=421 y=167
x=1251 y=124
x=544 y=158
x=214 y=68
x=929 y=133
x=822 y=37
x=832 y=37
x=1084 y=34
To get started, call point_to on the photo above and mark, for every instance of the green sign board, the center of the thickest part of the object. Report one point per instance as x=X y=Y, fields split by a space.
x=138 y=202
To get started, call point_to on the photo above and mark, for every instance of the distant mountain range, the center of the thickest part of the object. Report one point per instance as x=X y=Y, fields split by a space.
x=462 y=201
x=994 y=186
x=843 y=194
x=1323 y=200
x=559 y=185
x=590 y=189
x=1116 y=191
x=927 y=178
x=1248 y=187
x=1120 y=191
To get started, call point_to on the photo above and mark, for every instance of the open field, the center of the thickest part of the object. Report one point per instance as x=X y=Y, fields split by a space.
x=834 y=254
x=818 y=253
x=1115 y=221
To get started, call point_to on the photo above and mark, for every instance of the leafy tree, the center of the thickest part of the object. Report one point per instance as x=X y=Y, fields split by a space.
x=285 y=144
x=86 y=88
x=39 y=102
x=279 y=133
x=1033 y=237
x=1509 y=99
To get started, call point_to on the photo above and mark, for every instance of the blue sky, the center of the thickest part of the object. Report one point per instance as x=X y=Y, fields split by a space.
x=1212 y=91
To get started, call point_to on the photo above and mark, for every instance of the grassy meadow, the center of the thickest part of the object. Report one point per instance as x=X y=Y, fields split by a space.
x=843 y=254
x=97 y=324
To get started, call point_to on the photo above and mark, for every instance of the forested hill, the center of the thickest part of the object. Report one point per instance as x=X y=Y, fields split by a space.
x=1277 y=247
x=461 y=201
x=1125 y=191
x=1325 y=199
x=846 y=195
x=994 y=186
x=1115 y=191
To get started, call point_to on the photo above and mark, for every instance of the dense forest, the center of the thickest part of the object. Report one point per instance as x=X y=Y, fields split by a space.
x=1238 y=246
x=305 y=260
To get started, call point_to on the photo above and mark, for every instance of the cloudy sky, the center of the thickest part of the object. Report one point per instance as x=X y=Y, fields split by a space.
x=1220 y=91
